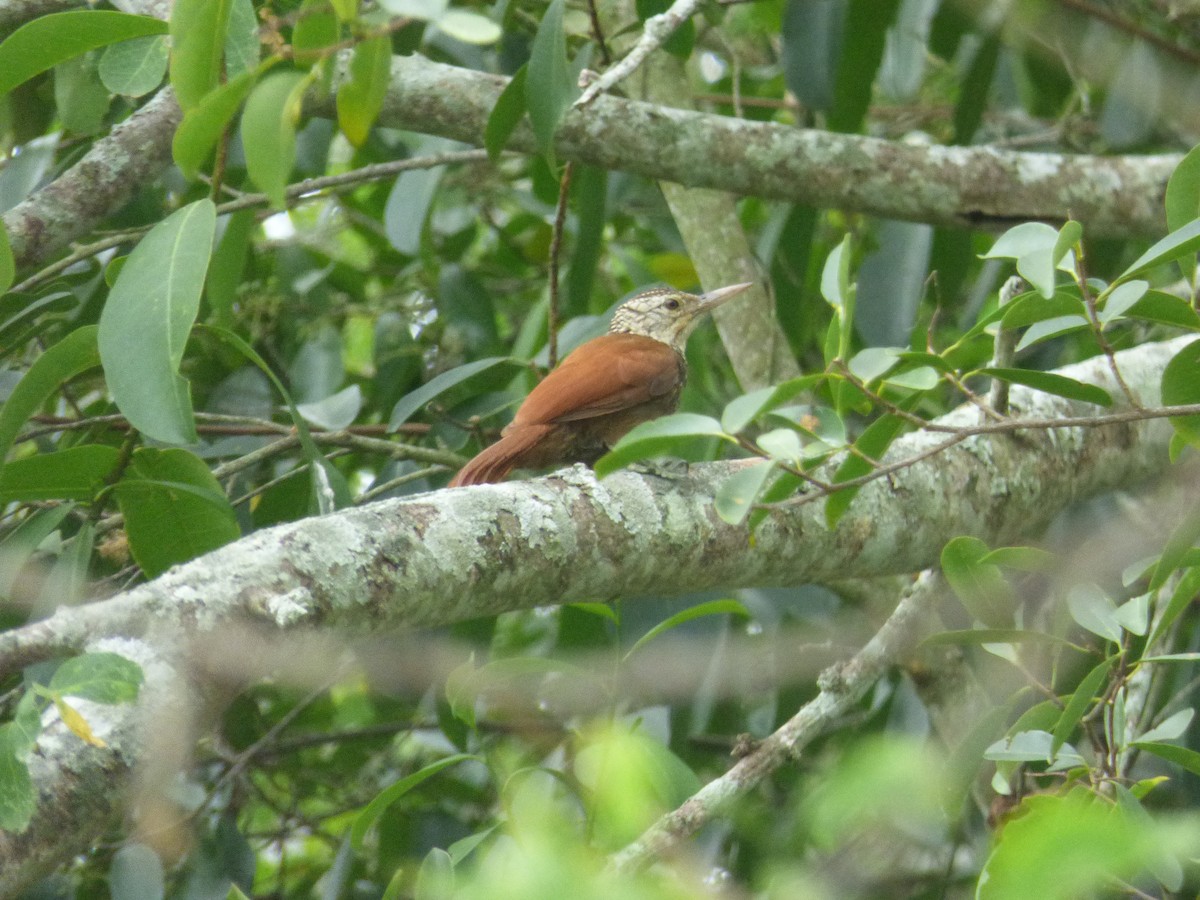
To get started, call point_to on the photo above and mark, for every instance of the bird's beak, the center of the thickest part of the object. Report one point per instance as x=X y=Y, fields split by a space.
x=712 y=299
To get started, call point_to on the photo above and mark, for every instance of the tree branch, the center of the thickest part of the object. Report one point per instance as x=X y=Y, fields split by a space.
x=455 y=554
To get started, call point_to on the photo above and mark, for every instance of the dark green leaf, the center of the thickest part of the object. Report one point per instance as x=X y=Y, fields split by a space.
x=394 y=792
x=1181 y=756
x=550 y=87
x=45 y=42
x=73 y=354
x=152 y=307
x=1158 y=306
x=669 y=433
x=871 y=445
x=864 y=36
x=1080 y=702
x=975 y=89
x=18 y=801
x=77 y=473
x=1181 y=598
x=506 y=114
x=411 y=403
x=1181 y=387
x=166 y=522
x=700 y=610
x=1183 y=201
x=8 y=267
x=1051 y=383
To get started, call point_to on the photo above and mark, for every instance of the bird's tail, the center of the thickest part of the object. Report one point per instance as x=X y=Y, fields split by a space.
x=495 y=462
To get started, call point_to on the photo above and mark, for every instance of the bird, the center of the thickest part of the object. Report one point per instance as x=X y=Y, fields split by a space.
x=603 y=388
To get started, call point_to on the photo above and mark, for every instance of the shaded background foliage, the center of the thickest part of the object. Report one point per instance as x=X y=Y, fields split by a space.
x=355 y=299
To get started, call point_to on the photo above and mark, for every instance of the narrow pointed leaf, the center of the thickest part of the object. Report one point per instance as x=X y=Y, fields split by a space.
x=360 y=98
x=269 y=124
x=1052 y=383
x=394 y=792
x=198 y=30
x=550 y=88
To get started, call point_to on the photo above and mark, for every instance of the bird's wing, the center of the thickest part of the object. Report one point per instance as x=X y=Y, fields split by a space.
x=607 y=374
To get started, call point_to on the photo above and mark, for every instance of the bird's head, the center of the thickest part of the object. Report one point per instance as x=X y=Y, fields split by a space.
x=668 y=315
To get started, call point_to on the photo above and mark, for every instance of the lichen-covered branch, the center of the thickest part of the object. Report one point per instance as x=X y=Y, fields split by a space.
x=952 y=186
x=455 y=554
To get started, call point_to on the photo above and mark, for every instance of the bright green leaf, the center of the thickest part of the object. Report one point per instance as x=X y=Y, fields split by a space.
x=506 y=114
x=1179 y=243
x=8 y=266
x=99 y=677
x=40 y=45
x=198 y=29
x=360 y=97
x=204 y=123
x=269 y=124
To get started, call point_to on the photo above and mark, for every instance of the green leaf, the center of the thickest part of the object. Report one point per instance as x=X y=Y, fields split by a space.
x=872 y=444
x=1093 y=609
x=1182 y=242
x=699 y=611
x=18 y=801
x=60 y=363
x=976 y=87
x=743 y=410
x=550 y=87
x=8 y=266
x=1050 y=328
x=360 y=97
x=975 y=636
x=980 y=586
x=100 y=677
x=152 y=307
x=1158 y=306
x=864 y=36
x=77 y=473
x=1051 y=383
x=1033 y=245
x=435 y=877
x=198 y=29
x=1181 y=756
x=228 y=264
x=469 y=27
x=506 y=114
x=410 y=200
x=23 y=541
x=1183 y=201
x=316 y=28
x=269 y=124
x=204 y=123
x=134 y=68
x=1172 y=728
x=1025 y=559
x=394 y=792
x=1080 y=702
x=1121 y=299
x=40 y=45
x=242 y=46
x=409 y=404
x=1181 y=386
x=1181 y=598
x=737 y=494
x=1026 y=309
x=657 y=437
x=166 y=522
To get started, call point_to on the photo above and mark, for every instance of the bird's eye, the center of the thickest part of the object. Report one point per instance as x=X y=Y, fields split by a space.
x=672 y=304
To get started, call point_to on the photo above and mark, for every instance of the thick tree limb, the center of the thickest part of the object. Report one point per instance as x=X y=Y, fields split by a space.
x=449 y=555
x=967 y=187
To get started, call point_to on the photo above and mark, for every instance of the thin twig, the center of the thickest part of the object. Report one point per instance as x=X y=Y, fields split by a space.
x=654 y=34
x=1006 y=346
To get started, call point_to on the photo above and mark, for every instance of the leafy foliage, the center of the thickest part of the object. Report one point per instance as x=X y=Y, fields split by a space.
x=307 y=313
